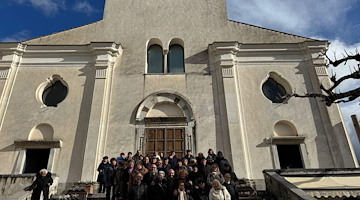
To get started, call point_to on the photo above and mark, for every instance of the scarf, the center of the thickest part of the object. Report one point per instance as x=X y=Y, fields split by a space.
x=182 y=195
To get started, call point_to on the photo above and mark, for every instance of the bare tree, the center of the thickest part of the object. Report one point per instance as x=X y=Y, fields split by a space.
x=329 y=95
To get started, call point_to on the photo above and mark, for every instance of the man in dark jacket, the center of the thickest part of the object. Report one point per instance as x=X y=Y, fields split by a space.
x=173 y=159
x=158 y=189
x=151 y=175
x=41 y=184
x=228 y=170
x=230 y=186
x=188 y=155
x=221 y=161
x=171 y=182
x=100 y=177
x=201 y=192
x=138 y=191
x=109 y=176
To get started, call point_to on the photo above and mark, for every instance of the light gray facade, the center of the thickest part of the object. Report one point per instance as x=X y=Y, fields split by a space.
x=110 y=93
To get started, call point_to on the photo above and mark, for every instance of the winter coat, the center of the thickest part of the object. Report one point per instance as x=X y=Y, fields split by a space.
x=201 y=194
x=100 y=169
x=231 y=188
x=221 y=194
x=171 y=185
x=158 y=190
x=149 y=177
x=221 y=162
x=142 y=171
x=204 y=171
x=108 y=175
x=173 y=161
x=138 y=192
x=41 y=184
x=121 y=179
x=212 y=176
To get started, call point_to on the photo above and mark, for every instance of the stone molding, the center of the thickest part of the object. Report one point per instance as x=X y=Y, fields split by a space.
x=286 y=140
x=151 y=100
x=101 y=54
x=4 y=73
x=261 y=54
x=40 y=144
x=321 y=71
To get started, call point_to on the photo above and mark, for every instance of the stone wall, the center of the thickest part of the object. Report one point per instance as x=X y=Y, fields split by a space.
x=10 y=184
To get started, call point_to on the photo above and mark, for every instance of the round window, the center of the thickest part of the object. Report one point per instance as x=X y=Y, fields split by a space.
x=274 y=91
x=53 y=91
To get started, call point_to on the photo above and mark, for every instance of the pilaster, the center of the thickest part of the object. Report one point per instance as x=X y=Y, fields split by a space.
x=338 y=140
x=9 y=67
x=105 y=58
x=233 y=138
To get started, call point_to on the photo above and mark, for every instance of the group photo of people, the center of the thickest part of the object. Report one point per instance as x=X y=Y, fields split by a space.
x=159 y=177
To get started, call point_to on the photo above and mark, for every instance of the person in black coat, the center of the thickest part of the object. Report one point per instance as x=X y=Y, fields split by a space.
x=109 y=176
x=221 y=161
x=121 y=179
x=151 y=175
x=228 y=170
x=204 y=169
x=171 y=182
x=173 y=159
x=201 y=192
x=100 y=177
x=41 y=184
x=158 y=189
x=230 y=186
x=138 y=191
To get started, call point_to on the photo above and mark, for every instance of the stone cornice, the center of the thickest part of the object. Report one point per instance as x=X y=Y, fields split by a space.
x=11 y=54
x=286 y=140
x=101 y=54
x=264 y=53
x=25 y=144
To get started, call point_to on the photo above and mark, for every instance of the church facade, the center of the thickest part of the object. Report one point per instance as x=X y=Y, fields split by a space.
x=161 y=75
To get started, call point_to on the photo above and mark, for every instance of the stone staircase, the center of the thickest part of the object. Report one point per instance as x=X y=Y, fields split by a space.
x=246 y=188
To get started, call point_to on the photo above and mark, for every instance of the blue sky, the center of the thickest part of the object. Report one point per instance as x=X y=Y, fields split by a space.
x=335 y=20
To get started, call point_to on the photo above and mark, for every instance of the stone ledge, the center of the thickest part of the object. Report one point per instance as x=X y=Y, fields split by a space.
x=37 y=144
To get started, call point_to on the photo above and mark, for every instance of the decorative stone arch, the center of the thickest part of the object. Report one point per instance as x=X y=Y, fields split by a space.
x=41 y=132
x=179 y=112
x=284 y=128
x=286 y=134
x=40 y=138
x=153 y=99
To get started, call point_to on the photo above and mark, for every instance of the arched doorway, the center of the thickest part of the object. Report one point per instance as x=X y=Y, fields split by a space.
x=164 y=123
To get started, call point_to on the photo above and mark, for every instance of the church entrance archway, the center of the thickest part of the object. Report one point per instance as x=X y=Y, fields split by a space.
x=165 y=123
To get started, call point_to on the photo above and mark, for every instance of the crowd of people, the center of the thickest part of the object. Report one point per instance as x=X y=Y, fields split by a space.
x=156 y=177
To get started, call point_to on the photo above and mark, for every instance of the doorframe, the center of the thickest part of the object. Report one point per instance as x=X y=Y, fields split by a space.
x=171 y=97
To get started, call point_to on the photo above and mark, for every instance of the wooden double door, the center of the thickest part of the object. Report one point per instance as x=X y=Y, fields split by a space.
x=165 y=140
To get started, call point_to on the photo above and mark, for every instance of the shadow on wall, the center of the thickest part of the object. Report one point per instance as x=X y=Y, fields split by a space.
x=321 y=141
x=265 y=144
x=200 y=58
x=9 y=148
x=77 y=156
x=347 y=157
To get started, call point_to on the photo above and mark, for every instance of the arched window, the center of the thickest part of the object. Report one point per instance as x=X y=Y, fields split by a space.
x=54 y=94
x=176 y=59
x=155 y=59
